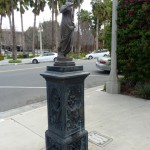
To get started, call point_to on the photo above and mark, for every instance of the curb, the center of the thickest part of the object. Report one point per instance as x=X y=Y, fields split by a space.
x=12 y=112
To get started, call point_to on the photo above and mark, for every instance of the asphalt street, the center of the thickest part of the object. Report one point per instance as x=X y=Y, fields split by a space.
x=21 y=85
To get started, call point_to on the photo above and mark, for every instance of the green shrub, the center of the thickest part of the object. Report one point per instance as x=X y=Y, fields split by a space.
x=143 y=90
x=20 y=56
x=133 y=47
x=9 y=56
x=77 y=56
x=15 y=61
x=1 y=57
x=31 y=56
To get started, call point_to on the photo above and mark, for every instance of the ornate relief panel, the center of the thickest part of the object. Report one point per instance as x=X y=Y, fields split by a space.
x=74 y=115
x=55 y=112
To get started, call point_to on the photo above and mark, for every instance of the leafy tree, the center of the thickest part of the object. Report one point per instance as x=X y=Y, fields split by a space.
x=47 y=38
x=28 y=38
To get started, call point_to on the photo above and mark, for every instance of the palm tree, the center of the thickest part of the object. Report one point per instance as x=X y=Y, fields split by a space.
x=13 y=31
x=2 y=14
x=77 y=4
x=8 y=7
x=51 y=6
x=1 y=33
x=56 y=14
x=54 y=5
x=85 y=24
x=108 y=4
x=99 y=12
x=38 y=6
x=23 y=5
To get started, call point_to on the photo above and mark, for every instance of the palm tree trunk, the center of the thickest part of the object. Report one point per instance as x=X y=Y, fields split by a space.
x=1 y=22
x=73 y=35
x=56 y=31
x=1 y=34
x=22 y=38
x=13 y=32
x=10 y=23
x=52 y=25
x=97 y=26
x=79 y=30
x=33 y=36
x=104 y=33
x=11 y=40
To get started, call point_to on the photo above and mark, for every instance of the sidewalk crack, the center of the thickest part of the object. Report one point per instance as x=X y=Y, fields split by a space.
x=27 y=128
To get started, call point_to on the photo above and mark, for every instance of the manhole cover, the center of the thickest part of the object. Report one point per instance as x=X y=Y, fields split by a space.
x=98 y=139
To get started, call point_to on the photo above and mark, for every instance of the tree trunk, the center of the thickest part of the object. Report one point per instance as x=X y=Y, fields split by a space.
x=79 y=30
x=52 y=25
x=97 y=27
x=56 y=31
x=104 y=34
x=1 y=22
x=22 y=37
x=1 y=37
x=10 y=23
x=13 y=33
x=33 y=36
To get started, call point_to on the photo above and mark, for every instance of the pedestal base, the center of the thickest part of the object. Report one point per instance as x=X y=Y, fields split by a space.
x=65 y=103
x=76 y=141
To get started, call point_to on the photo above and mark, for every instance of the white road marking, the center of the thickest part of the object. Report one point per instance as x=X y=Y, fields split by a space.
x=21 y=87
x=22 y=69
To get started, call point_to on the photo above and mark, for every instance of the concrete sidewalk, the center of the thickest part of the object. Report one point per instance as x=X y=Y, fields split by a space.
x=124 y=120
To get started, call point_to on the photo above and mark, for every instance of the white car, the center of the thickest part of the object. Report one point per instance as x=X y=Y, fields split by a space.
x=51 y=56
x=104 y=63
x=97 y=53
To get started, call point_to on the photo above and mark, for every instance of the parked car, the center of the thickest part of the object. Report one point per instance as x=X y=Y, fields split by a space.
x=51 y=56
x=6 y=52
x=103 y=63
x=97 y=53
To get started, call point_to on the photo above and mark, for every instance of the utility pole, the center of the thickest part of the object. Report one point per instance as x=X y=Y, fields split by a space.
x=112 y=85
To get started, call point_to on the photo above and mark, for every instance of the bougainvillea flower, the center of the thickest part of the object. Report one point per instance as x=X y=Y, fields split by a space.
x=130 y=12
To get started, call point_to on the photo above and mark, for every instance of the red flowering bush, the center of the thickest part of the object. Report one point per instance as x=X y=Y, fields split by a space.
x=133 y=47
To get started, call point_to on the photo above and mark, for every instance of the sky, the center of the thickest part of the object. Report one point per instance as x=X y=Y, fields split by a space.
x=28 y=17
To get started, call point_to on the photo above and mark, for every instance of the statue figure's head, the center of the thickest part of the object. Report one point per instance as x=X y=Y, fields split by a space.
x=70 y=1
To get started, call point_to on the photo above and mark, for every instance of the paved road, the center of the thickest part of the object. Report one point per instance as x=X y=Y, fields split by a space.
x=21 y=85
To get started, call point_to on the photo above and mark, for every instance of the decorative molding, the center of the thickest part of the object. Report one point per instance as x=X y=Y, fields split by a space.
x=78 y=145
x=53 y=145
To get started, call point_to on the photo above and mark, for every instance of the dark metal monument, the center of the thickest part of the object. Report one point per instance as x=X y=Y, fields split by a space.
x=65 y=96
